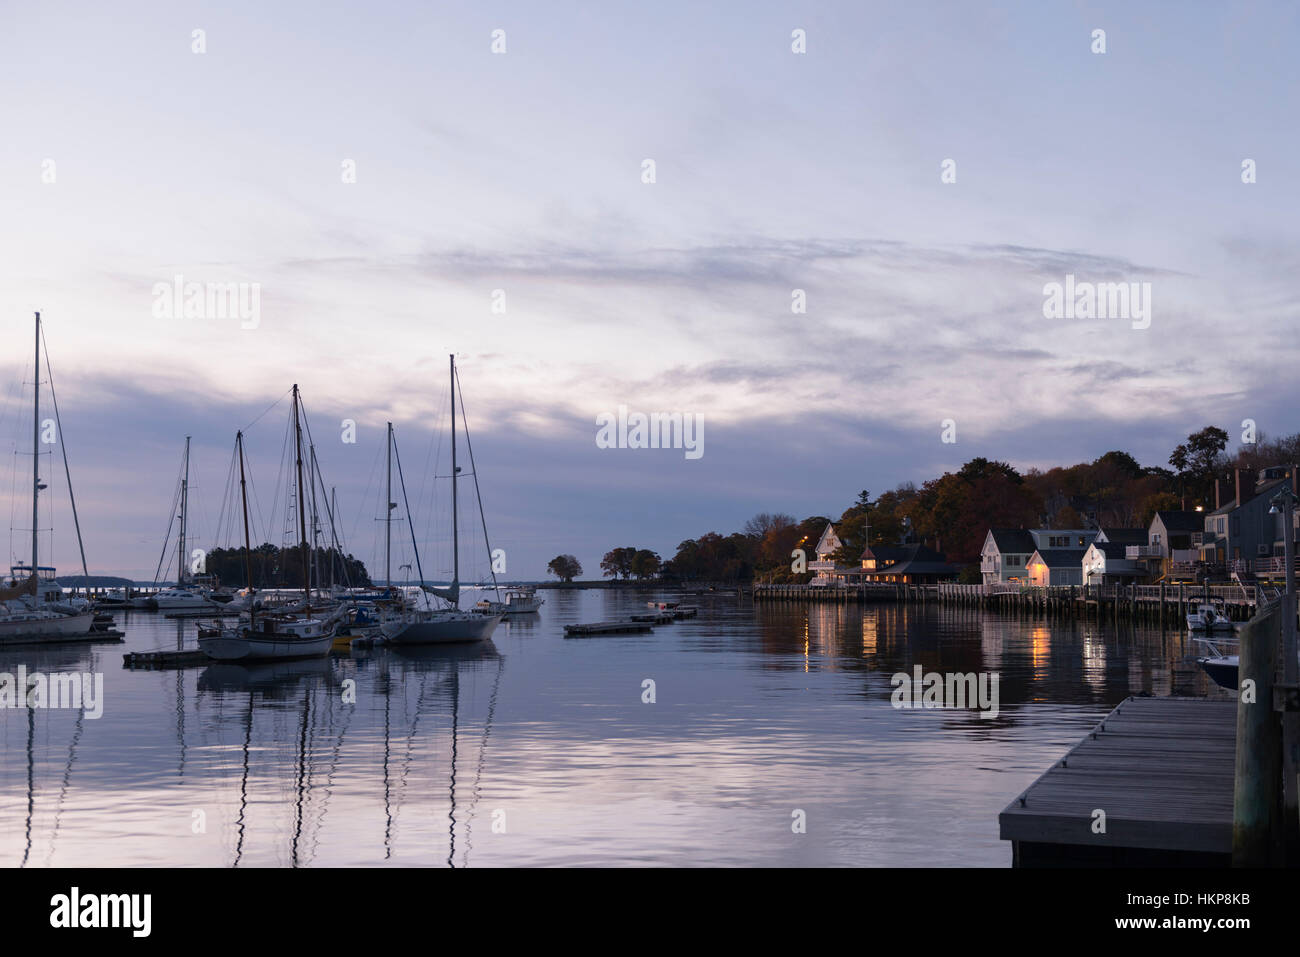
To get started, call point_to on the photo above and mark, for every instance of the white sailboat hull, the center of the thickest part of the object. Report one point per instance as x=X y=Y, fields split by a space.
x=53 y=627
x=437 y=630
x=253 y=647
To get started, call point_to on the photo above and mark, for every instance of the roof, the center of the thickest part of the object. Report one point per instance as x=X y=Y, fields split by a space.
x=1013 y=540
x=1259 y=492
x=897 y=553
x=1126 y=536
x=1112 y=549
x=1182 y=521
x=1061 y=557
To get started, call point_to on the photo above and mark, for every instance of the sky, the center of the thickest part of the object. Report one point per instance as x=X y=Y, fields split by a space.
x=499 y=212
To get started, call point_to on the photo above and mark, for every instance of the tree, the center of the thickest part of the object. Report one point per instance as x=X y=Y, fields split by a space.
x=564 y=567
x=618 y=562
x=645 y=564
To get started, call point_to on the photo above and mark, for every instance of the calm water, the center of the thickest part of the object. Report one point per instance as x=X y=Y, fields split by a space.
x=759 y=711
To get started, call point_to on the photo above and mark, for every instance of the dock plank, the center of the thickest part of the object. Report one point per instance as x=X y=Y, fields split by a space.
x=1160 y=768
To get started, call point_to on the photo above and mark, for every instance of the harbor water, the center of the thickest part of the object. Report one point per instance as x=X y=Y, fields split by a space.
x=749 y=735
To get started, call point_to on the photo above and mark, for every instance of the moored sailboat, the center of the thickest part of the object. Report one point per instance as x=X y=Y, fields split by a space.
x=31 y=607
x=270 y=636
x=427 y=625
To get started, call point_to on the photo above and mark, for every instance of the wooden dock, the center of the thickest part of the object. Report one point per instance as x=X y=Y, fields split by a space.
x=607 y=628
x=218 y=613
x=175 y=658
x=1161 y=770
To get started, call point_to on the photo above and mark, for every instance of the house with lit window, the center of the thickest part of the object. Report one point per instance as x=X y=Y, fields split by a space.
x=910 y=563
x=1051 y=567
x=1006 y=552
x=823 y=566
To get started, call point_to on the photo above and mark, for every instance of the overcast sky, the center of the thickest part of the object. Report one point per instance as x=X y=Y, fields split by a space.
x=522 y=171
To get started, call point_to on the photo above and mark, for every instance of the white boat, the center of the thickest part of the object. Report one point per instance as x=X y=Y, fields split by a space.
x=425 y=625
x=36 y=623
x=519 y=601
x=1209 y=618
x=269 y=638
x=183 y=599
x=438 y=626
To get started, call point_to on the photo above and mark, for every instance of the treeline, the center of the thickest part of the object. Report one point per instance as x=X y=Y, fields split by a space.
x=952 y=513
x=276 y=567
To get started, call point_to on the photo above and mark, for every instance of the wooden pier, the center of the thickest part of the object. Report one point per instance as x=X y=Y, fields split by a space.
x=1161 y=772
x=607 y=628
x=175 y=658
x=1167 y=603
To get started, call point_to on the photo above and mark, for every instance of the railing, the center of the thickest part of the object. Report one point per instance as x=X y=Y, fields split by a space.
x=1143 y=551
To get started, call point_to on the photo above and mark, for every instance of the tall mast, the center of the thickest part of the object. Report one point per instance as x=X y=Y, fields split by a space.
x=455 y=528
x=36 y=457
x=302 y=515
x=248 y=547
x=388 y=515
x=185 y=495
x=334 y=507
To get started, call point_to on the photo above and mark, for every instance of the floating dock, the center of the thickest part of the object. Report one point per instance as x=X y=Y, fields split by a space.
x=607 y=628
x=1161 y=771
x=176 y=658
x=656 y=618
x=219 y=613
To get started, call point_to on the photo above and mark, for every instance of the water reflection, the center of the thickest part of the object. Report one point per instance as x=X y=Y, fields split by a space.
x=412 y=755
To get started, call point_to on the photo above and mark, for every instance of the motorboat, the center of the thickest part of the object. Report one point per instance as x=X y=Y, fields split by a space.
x=518 y=601
x=183 y=599
x=1209 y=618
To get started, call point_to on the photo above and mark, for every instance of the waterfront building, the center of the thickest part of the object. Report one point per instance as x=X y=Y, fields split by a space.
x=1006 y=552
x=823 y=567
x=1240 y=532
x=1108 y=563
x=1055 y=566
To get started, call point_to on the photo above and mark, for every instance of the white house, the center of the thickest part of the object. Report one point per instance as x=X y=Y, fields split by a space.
x=1108 y=563
x=1055 y=566
x=824 y=565
x=1006 y=552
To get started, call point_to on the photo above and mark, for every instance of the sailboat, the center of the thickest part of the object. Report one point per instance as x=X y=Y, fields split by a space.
x=270 y=637
x=184 y=595
x=32 y=606
x=426 y=626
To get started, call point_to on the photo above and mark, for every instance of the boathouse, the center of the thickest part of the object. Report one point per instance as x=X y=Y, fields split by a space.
x=910 y=564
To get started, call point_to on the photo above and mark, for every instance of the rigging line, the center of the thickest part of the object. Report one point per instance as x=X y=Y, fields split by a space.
x=409 y=522
x=176 y=500
x=482 y=517
x=266 y=410
x=67 y=471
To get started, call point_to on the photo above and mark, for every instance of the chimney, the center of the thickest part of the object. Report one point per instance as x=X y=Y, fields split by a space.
x=1245 y=488
x=1217 y=503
